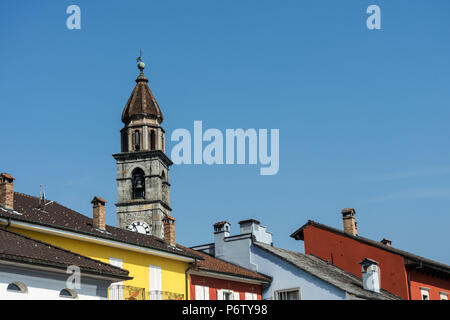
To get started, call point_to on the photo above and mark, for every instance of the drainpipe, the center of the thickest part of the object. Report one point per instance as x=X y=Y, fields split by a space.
x=8 y=224
x=191 y=266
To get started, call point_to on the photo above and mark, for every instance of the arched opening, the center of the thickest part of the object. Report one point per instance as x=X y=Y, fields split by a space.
x=138 y=184
x=17 y=287
x=137 y=140
x=152 y=140
x=68 y=293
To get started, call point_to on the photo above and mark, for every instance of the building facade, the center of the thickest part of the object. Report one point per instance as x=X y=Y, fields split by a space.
x=294 y=275
x=405 y=274
x=215 y=279
x=34 y=270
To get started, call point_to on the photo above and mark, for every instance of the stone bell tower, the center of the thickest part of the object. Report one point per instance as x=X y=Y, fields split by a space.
x=142 y=165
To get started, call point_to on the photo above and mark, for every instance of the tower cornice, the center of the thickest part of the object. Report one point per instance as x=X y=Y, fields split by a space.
x=136 y=155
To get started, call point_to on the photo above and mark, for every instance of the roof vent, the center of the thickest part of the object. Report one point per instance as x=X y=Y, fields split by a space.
x=370 y=275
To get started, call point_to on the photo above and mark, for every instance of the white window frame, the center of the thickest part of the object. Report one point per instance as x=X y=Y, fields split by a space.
x=221 y=294
x=251 y=296
x=424 y=292
x=279 y=292
x=201 y=292
x=442 y=295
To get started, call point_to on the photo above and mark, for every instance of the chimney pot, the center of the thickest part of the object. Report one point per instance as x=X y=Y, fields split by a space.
x=169 y=231
x=7 y=191
x=370 y=275
x=350 y=225
x=98 y=209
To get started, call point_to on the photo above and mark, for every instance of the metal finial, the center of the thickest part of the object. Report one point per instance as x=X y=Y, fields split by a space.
x=141 y=64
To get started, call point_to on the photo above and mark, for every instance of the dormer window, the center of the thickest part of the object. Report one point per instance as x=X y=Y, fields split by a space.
x=138 y=184
x=137 y=140
x=17 y=287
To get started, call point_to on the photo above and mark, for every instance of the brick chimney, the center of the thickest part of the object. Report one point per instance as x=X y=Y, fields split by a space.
x=98 y=208
x=6 y=191
x=169 y=230
x=348 y=217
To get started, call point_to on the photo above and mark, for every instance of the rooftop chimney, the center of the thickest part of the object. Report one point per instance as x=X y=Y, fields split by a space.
x=259 y=232
x=221 y=231
x=370 y=275
x=6 y=191
x=386 y=242
x=169 y=230
x=348 y=217
x=98 y=213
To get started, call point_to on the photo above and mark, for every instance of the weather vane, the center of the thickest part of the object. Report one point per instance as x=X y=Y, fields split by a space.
x=139 y=59
x=141 y=64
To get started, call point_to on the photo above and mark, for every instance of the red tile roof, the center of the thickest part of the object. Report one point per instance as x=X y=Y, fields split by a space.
x=213 y=264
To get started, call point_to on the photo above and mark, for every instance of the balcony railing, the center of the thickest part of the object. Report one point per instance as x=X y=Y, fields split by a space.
x=163 y=295
x=119 y=292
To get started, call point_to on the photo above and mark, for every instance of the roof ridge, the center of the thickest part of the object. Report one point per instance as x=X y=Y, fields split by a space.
x=378 y=244
x=64 y=250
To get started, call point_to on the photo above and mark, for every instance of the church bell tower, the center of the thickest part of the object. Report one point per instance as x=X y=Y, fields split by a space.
x=142 y=165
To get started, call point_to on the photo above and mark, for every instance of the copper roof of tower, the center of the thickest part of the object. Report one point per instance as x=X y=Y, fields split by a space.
x=141 y=103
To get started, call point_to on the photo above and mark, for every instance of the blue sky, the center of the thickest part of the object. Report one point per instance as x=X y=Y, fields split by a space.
x=363 y=114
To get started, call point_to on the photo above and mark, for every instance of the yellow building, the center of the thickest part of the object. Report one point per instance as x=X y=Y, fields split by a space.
x=158 y=269
x=144 y=242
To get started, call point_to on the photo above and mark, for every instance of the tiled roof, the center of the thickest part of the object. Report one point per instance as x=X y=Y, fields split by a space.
x=329 y=273
x=212 y=264
x=141 y=103
x=52 y=214
x=19 y=248
x=433 y=264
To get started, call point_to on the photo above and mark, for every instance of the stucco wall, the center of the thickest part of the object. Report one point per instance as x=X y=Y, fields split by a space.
x=287 y=276
x=47 y=286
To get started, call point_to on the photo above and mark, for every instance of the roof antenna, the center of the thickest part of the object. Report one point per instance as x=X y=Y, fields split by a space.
x=41 y=195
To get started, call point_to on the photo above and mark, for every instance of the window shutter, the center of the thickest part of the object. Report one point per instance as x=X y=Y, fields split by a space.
x=219 y=295
x=115 y=290
x=206 y=293
x=248 y=296
x=155 y=278
x=236 y=296
x=199 y=290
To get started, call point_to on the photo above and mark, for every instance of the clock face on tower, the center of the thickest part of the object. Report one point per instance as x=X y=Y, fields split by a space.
x=139 y=226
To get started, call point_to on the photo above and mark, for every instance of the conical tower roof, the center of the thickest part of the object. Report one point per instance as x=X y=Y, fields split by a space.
x=141 y=103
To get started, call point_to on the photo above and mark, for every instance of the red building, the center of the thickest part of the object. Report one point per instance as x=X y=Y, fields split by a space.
x=215 y=279
x=405 y=274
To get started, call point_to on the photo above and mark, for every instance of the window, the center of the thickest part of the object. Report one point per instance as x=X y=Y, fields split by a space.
x=288 y=294
x=201 y=293
x=444 y=295
x=138 y=184
x=17 y=287
x=251 y=296
x=137 y=140
x=155 y=284
x=68 y=293
x=225 y=294
x=152 y=140
x=424 y=292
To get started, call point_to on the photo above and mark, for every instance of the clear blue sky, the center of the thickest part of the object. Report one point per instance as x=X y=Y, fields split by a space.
x=363 y=115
